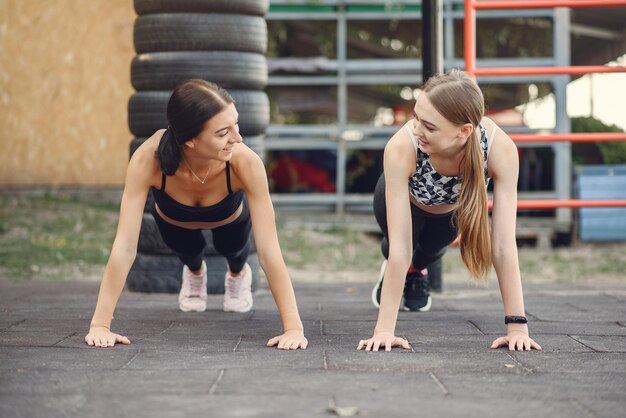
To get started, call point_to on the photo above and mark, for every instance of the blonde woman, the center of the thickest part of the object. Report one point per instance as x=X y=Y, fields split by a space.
x=201 y=177
x=436 y=171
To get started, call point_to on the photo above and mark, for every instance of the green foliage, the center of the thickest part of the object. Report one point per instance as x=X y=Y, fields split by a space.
x=600 y=152
x=54 y=236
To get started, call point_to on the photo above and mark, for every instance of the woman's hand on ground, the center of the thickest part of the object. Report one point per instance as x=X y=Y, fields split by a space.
x=103 y=337
x=516 y=340
x=383 y=339
x=289 y=340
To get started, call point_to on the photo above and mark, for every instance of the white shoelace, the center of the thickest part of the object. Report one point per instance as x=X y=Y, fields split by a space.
x=195 y=286
x=234 y=286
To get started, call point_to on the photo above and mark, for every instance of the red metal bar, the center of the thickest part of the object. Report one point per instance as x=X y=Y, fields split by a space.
x=470 y=66
x=545 y=4
x=574 y=137
x=572 y=70
x=568 y=203
x=469 y=43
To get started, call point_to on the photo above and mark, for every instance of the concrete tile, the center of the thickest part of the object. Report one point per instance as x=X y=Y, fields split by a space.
x=336 y=383
x=118 y=383
x=537 y=385
x=31 y=338
x=573 y=362
x=188 y=360
x=405 y=360
x=53 y=358
x=609 y=344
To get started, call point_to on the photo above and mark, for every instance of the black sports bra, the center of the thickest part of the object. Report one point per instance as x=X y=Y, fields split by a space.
x=184 y=213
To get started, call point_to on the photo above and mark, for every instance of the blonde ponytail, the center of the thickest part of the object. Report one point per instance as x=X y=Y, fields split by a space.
x=471 y=216
x=458 y=98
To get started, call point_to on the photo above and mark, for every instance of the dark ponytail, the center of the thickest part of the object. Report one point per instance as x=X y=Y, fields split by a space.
x=169 y=153
x=191 y=105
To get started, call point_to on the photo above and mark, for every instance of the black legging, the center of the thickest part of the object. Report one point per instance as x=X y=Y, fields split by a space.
x=431 y=233
x=231 y=240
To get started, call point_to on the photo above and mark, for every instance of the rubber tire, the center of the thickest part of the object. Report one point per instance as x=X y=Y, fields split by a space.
x=200 y=32
x=250 y=7
x=147 y=111
x=152 y=273
x=151 y=242
x=228 y=69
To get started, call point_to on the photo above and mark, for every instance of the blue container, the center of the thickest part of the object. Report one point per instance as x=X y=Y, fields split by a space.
x=602 y=182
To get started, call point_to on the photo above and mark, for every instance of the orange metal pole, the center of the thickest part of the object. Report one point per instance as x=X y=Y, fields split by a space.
x=469 y=43
x=574 y=137
x=572 y=70
x=571 y=203
x=544 y=4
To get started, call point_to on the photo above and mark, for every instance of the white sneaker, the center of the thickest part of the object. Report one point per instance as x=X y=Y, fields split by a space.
x=238 y=291
x=192 y=296
x=376 y=291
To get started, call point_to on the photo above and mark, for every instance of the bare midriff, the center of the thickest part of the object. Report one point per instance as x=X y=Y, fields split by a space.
x=200 y=225
x=435 y=209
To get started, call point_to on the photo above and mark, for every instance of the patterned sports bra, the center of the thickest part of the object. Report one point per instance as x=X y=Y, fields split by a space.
x=431 y=188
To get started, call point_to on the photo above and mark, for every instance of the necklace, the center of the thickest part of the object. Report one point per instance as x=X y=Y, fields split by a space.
x=194 y=174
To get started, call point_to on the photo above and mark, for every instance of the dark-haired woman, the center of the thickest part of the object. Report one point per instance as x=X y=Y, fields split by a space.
x=437 y=168
x=202 y=177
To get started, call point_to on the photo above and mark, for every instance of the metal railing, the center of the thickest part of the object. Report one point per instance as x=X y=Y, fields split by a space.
x=470 y=66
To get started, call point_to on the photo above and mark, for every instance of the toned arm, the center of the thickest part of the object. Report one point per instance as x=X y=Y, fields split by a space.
x=504 y=169
x=252 y=174
x=141 y=168
x=399 y=164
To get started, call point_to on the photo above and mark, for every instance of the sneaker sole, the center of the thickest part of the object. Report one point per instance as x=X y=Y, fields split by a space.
x=182 y=308
x=424 y=308
x=378 y=284
x=246 y=309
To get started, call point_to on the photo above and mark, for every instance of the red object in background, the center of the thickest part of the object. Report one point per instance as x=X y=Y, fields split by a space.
x=292 y=175
x=402 y=113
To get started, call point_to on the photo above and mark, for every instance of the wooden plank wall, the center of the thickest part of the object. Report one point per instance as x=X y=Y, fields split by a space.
x=64 y=88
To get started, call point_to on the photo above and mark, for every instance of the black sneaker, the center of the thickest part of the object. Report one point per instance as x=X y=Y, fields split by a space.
x=416 y=296
x=379 y=285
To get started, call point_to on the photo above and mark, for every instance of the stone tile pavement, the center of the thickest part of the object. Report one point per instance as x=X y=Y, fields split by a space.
x=216 y=364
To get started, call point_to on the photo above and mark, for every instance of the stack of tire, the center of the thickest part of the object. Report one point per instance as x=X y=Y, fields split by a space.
x=221 y=41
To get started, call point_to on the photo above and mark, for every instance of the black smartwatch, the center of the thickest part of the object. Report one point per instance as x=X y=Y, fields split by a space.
x=515 y=320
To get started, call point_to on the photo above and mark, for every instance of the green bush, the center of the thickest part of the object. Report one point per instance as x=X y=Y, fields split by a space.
x=598 y=152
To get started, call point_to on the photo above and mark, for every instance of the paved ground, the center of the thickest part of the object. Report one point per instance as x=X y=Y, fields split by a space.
x=215 y=364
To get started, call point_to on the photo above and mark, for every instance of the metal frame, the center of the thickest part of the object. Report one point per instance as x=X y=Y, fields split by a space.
x=563 y=162
x=408 y=71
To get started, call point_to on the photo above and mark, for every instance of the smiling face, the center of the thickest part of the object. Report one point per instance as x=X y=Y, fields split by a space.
x=434 y=132
x=219 y=135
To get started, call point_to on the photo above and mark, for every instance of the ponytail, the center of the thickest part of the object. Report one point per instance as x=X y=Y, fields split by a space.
x=458 y=98
x=471 y=215
x=169 y=153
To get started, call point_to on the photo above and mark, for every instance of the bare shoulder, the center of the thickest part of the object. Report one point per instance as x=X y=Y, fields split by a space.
x=400 y=152
x=246 y=165
x=503 y=157
x=144 y=161
x=499 y=134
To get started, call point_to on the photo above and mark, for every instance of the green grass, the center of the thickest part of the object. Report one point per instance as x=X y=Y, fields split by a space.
x=54 y=236
x=329 y=250
x=59 y=237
